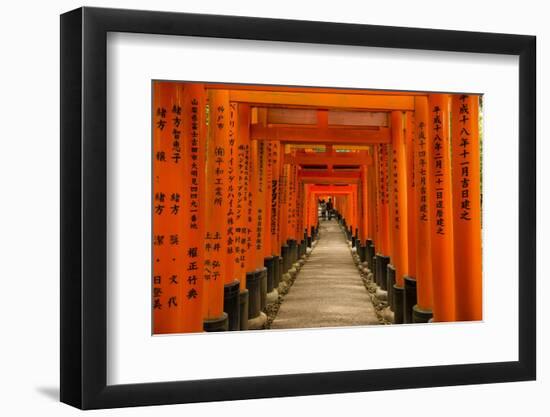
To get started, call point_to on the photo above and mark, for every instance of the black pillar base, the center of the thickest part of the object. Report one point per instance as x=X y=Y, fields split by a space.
x=374 y=269
x=390 y=283
x=291 y=252
x=421 y=316
x=263 y=288
x=243 y=306
x=280 y=271
x=409 y=300
x=295 y=251
x=303 y=247
x=362 y=250
x=398 y=301
x=286 y=260
x=253 y=285
x=382 y=271
x=276 y=273
x=231 y=305
x=219 y=324
x=370 y=254
x=313 y=234
x=309 y=241
x=269 y=263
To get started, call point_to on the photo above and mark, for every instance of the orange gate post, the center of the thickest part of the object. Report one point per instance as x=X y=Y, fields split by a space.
x=398 y=217
x=215 y=272
x=269 y=259
x=256 y=275
x=373 y=222
x=365 y=211
x=384 y=248
x=283 y=210
x=291 y=224
x=272 y=250
x=440 y=197
x=466 y=206
x=168 y=190
x=410 y=296
x=422 y=311
x=232 y=282
x=273 y=207
x=193 y=204
x=242 y=254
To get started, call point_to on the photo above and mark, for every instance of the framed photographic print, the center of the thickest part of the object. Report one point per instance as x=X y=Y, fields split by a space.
x=257 y=208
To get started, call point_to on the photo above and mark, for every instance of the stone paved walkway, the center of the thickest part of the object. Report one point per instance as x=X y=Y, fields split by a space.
x=328 y=291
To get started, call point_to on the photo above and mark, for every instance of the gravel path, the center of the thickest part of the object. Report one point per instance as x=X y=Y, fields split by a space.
x=328 y=291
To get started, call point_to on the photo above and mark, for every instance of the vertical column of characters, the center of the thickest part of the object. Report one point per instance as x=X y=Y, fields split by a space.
x=216 y=209
x=293 y=201
x=375 y=192
x=268 y=199
x=190 y=119
x=299 y=207
x=230 y=190
x=365 y=203
x=168 y=191
x=285 y=168
x=398 y=199
x=252 y=207
x=440 y=197
x=242 y=207
x=422 y=312
x=466 y=185
x=259 y=149
x=383 y=203
x=411 y=195
x=274 y=197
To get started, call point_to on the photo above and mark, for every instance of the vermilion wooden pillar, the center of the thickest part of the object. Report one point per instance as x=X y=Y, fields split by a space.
x=169 y=187
x=410 y=295
x=268 y=198
x=422 y=312
x=466 y=184
x=365 y=206
x=381 y=156
x=275 y=197
x=283 y=211
x=241 y=206
x=441 y=208
x=243 y=209
x=230 y=191
x=373 y=192
x=215 y=268
x=194 y=151
x=398 y=214
x=411 y=195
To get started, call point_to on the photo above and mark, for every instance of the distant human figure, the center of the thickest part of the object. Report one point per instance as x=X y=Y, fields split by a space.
x=323 y=209
x=329 y=209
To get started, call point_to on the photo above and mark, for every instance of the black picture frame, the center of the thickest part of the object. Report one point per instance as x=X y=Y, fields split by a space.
x=84 y=207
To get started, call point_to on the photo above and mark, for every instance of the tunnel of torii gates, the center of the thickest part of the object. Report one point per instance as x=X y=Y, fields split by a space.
x=237 y=174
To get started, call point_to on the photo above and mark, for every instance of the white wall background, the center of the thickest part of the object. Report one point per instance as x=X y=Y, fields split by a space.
x=29 y=213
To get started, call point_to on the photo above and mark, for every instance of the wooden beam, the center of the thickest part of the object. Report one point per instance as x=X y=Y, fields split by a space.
x=324 y=100
x=361 y=136
x=329 y=181
x=323 y=174
x=324 y=158
x=301 y=89
x=315 y=177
